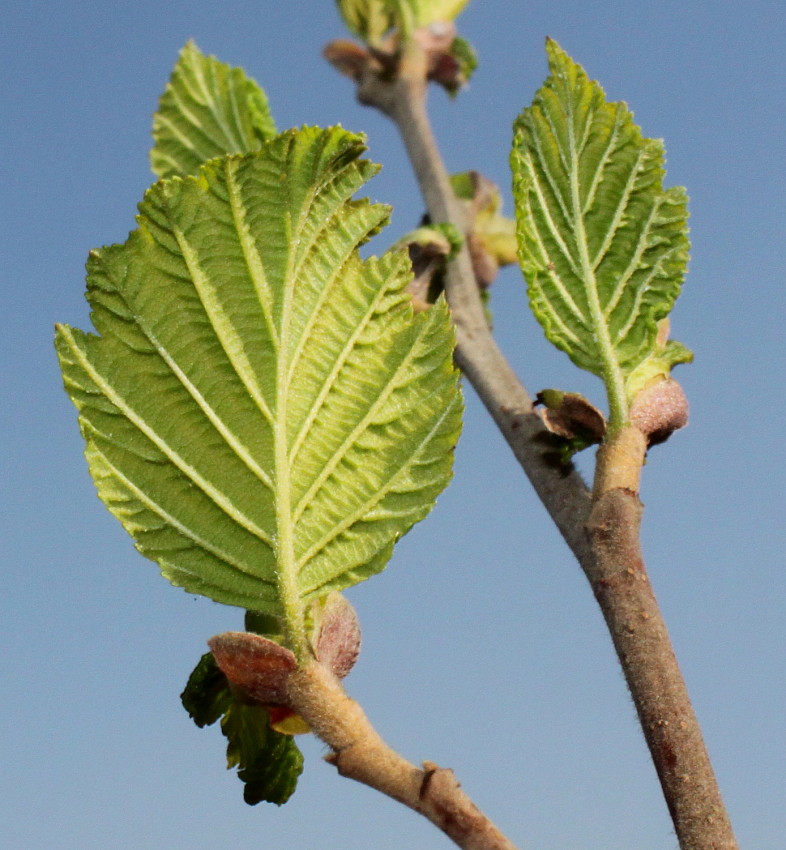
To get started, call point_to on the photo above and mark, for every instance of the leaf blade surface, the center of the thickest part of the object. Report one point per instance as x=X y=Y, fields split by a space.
x=602 y=244
x=208 y=109
x=263 y=412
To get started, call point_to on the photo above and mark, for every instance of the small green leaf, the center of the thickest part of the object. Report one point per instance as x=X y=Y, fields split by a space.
x=603 y=245
x=443 y=239
x=370 y=20
x=262 y=410
x=427 y=12
x=466 y=56
x=206 y=696
x=268 y=762
x=208 y=109
x=483 y=202
x=658 y=365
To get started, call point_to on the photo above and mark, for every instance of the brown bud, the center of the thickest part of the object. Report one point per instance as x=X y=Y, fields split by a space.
x=571 y=416
x=337 y=644
x=348 y=58
x=255 y=666
x=659 y=409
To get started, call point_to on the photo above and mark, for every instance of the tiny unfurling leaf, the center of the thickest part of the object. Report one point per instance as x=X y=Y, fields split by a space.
x=268 y=762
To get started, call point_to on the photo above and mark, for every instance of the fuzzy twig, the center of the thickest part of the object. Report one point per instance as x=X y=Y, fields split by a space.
x=360 y=753
x=602 y=528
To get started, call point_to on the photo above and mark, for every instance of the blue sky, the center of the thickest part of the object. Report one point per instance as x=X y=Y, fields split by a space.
x=483 y=648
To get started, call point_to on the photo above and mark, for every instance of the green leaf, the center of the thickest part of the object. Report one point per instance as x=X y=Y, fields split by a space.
x=466 y=56
x=206 y=696
x=427 y=12
x=208 y=109
x=603 y=245
x=370 y=20
x=268 y=762
x=262 y=410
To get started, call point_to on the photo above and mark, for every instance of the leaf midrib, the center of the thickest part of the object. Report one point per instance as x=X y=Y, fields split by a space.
x=610 y=370
x=293 y=620
x=232 y=143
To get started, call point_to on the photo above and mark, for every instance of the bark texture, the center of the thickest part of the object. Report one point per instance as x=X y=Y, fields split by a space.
x=601 y=528
x=361 y=754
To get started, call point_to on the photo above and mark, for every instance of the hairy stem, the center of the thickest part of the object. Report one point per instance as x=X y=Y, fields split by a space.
x=359 y=753
x=601 y=529
x=619 y=580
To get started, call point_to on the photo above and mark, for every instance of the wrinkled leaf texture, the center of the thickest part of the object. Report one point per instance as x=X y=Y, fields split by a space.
x=260 y=406
x=602 y=244
x=208 y=109
x=269 y=763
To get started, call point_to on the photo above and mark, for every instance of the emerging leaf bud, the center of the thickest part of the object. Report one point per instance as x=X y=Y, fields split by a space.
x=257 y=667
x=337 y=643
x=492 y=236
x=429 y=247
x=659 y=409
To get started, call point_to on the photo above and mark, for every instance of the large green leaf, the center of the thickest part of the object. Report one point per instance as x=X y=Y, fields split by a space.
x=207 y=109
x=603 y=246
x=262 y=410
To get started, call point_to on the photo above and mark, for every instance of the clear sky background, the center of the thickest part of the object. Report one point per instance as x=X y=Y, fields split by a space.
x=483 y=648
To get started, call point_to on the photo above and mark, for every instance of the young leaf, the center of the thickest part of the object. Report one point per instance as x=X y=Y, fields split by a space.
x=603 y=246
x=422 y=13
x=268 y=762
x=262 y=410
x=208 y=109
x=370 y=20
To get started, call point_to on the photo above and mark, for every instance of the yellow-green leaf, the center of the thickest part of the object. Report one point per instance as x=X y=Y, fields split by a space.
x=603 y=245
x=263 y=412
x=208 y=109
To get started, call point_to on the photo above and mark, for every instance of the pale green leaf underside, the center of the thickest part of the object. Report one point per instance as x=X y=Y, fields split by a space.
x=603 y=246
x=658 y=364
x=208 y=109
x=261 y=408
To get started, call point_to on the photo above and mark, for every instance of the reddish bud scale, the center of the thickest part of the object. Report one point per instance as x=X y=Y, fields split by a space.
x=659 y=410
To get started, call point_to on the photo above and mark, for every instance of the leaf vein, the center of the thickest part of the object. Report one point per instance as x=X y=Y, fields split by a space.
x=179 y=462
x=186 y=531
x=351 y=438
x=226 y=334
